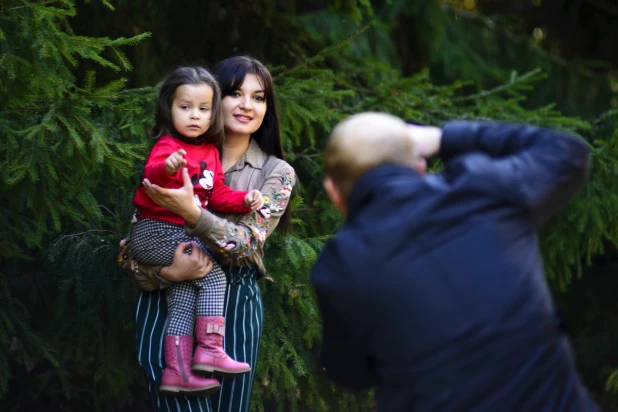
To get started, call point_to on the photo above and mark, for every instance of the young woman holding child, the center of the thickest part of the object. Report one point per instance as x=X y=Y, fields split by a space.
x=252 y=158
x=188 y=127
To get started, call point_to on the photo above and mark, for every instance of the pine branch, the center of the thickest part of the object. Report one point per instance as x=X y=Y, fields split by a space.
x=514 y=82
x=323 y=53
x=491 y=25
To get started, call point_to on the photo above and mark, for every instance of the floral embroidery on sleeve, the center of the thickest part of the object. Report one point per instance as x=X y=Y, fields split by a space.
x=279 y=196
x=241 y=237
x=260 y=229
x=257 y=223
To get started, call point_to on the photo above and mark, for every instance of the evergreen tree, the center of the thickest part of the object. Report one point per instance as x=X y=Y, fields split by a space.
x=73 y=148
x=65 y=141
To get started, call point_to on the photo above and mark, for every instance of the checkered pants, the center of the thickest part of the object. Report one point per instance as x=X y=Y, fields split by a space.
x=153 y=242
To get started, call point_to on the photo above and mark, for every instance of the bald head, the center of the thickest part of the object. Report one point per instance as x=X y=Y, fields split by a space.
x=363 y=142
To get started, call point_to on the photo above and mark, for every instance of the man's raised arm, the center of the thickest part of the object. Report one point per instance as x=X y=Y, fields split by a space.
x=539 y=168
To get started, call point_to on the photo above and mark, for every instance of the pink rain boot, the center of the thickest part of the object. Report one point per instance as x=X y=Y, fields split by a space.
x=209 y=354
x=177 y=377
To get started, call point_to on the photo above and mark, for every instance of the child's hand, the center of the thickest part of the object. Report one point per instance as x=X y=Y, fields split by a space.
x=175 y=162
x=254 y=200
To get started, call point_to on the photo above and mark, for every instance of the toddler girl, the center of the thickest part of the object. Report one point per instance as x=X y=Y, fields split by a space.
x=188 y=127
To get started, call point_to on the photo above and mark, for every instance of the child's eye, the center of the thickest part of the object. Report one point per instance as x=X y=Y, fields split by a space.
x=184 y=107
x=204 y=109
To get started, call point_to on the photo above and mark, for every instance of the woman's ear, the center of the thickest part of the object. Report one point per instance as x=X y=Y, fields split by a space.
x=335 y=195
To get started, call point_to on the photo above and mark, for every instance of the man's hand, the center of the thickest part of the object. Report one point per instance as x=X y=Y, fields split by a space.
x=175 y=162
x=254 y=200
x=185 y=266
x=426 y=139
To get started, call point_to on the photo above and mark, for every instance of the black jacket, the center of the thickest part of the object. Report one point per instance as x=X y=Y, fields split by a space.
x=434 y=290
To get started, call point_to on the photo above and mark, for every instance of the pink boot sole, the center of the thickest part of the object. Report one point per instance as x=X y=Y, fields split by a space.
x=224 y=373
x=180 y=391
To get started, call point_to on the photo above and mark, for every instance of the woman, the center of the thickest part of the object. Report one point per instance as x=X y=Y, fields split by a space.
x=252 y=158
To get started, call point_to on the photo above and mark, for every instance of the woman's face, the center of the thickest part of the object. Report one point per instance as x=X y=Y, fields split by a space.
x=244 y=109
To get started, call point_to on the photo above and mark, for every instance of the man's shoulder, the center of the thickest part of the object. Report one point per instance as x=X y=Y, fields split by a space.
x=332 y=252
x=345 y=241
x=342 y=254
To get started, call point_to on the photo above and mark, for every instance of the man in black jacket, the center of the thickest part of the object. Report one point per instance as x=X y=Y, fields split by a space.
x=434 y=291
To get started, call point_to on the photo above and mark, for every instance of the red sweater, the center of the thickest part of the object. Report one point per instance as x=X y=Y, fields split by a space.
x=206 y=175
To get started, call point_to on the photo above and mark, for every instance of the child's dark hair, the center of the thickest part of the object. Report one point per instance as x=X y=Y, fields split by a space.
x=230 y=74
x=179 y=77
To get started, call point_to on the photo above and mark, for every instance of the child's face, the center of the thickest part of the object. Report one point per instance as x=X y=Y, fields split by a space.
x=192 y=109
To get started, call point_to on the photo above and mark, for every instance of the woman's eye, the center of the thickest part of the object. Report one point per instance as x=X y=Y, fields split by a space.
x=234 y=94
x=260 y=98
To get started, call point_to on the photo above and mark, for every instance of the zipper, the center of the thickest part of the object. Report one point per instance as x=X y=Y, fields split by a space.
x=182 y=368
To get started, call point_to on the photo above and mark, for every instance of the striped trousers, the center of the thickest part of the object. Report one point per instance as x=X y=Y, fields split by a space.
x=244 y=313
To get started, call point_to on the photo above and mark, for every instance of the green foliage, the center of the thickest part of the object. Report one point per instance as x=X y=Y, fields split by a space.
x=56 y=133
x=485 y=50
x=63 y=141
x=72 y=148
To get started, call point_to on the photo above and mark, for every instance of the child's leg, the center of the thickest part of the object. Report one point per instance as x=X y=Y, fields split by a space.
x=210 y=327
x=178 y=345
x=154 y=242
x=181 y=299
x=211 y=292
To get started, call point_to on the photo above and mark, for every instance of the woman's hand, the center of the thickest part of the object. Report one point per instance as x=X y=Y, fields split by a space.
x=187 y=267
x=179 y=201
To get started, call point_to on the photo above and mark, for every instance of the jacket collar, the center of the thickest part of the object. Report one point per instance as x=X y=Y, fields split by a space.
x=254 y=157
x=371 y=184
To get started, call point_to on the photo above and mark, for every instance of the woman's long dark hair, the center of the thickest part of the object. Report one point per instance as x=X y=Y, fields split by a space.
x=230 y=73
x=179 y=77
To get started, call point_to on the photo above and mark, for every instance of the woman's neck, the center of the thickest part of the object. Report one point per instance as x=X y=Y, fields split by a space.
x=233 y=149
